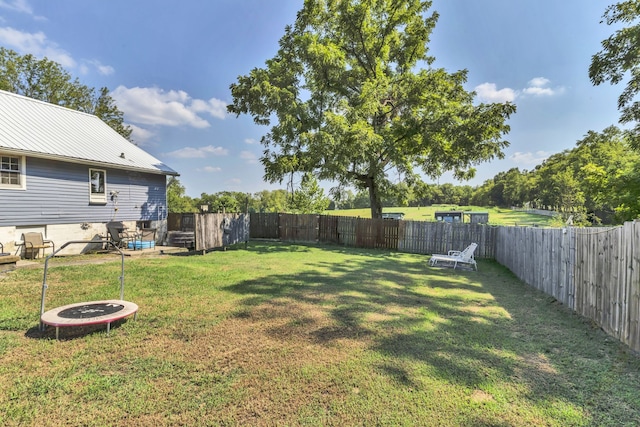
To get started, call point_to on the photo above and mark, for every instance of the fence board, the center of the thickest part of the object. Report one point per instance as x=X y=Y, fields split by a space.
x=439 y=237
x=406 y=236
x=214 y=230
x=539 y=257
x=180 y=222
x=328 y=229
x=377 y=233
x=347 y=231
x=633 y=338
x=264 y=226
x=594 y=271
x=298 y=228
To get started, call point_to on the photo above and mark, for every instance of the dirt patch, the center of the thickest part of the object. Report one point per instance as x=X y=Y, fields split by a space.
x=540 y=362
x=481 y=396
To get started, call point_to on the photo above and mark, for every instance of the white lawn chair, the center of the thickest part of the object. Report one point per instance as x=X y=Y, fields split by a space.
x=456 y=257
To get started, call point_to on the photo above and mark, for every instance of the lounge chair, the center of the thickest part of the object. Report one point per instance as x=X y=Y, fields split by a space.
x=456 y=257
x=33 y=243
x=120 y=235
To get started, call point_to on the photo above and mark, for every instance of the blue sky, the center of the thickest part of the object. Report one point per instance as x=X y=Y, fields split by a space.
x=169 y=65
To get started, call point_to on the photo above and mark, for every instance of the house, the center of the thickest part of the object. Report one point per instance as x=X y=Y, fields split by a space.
x=66 y=174
x=449 y=216
x=393 y=215
x=478 y=217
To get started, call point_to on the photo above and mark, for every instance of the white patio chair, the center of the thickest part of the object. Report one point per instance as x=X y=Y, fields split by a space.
x=456 y=257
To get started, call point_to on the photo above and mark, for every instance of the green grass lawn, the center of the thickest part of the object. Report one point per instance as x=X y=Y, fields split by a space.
x=497 y=216
x=302 y=335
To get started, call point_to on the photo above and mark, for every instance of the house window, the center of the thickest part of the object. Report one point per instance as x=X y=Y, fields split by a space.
x=12 y=172
x=97 y=186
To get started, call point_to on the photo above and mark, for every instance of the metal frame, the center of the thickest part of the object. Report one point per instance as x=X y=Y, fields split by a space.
x=46 y=267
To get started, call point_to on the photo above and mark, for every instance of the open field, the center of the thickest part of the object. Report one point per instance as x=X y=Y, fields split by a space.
x=497 y=216
x=302 y=335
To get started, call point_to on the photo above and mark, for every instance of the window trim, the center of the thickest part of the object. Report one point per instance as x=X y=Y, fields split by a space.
x=22 y=165
x=98 y=197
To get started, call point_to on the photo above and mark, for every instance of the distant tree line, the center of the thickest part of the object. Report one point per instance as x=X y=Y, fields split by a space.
x=308 y=198
x=597 y=182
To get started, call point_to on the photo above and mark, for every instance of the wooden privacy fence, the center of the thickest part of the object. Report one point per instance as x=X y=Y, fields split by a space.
x=180 y=221
x=264 y=226
x=208 y=230
x=220 y=230
x=594 y=271
x=406 y=236
x=541 y=257
x=421 y=237
x=298 y=228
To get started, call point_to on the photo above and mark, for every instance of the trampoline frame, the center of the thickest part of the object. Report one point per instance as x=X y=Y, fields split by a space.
x=129 y=308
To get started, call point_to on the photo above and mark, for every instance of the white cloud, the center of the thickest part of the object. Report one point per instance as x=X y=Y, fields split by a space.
x=140 y=135
x=539 y=86
x=539 y=91
x=539 y=82
x=38 y=45
x=215 y=107
x=488 y=92
x=250 y=141
x=202 y=152
x=155 y=106
x=86 y=66
x=105 y=70
x=249 y=157
x=21 y=6
x=233 y=181
x=529 y=158
x=35 y=44
x=209 y=169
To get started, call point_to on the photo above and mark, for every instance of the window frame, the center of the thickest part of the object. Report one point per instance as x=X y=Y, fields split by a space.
x=22 y=169
x=98 y=197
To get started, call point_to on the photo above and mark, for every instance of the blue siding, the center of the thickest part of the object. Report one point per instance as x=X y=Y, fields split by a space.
x=58 y=193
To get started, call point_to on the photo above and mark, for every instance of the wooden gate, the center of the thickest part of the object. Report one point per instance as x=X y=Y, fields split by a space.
x=220 y=230
x=264 y=225
x=298 y=228
x=377 y=233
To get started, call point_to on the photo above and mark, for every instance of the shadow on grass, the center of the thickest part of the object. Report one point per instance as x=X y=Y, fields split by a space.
x=488 y=328
x=72 y=332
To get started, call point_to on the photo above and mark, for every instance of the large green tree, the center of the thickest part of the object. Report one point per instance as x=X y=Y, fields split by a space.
x=309 y=198
x=272 y=201
x=177 y=199
x=47 y=81
x=105 y=107
x=223 y=201
x=352 y=95
x=619 y=59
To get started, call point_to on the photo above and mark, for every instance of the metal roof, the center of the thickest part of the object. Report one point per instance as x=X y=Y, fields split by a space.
x=38 y=129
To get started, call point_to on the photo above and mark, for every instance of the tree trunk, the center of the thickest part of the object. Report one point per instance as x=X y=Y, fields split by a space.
x=374 y=199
